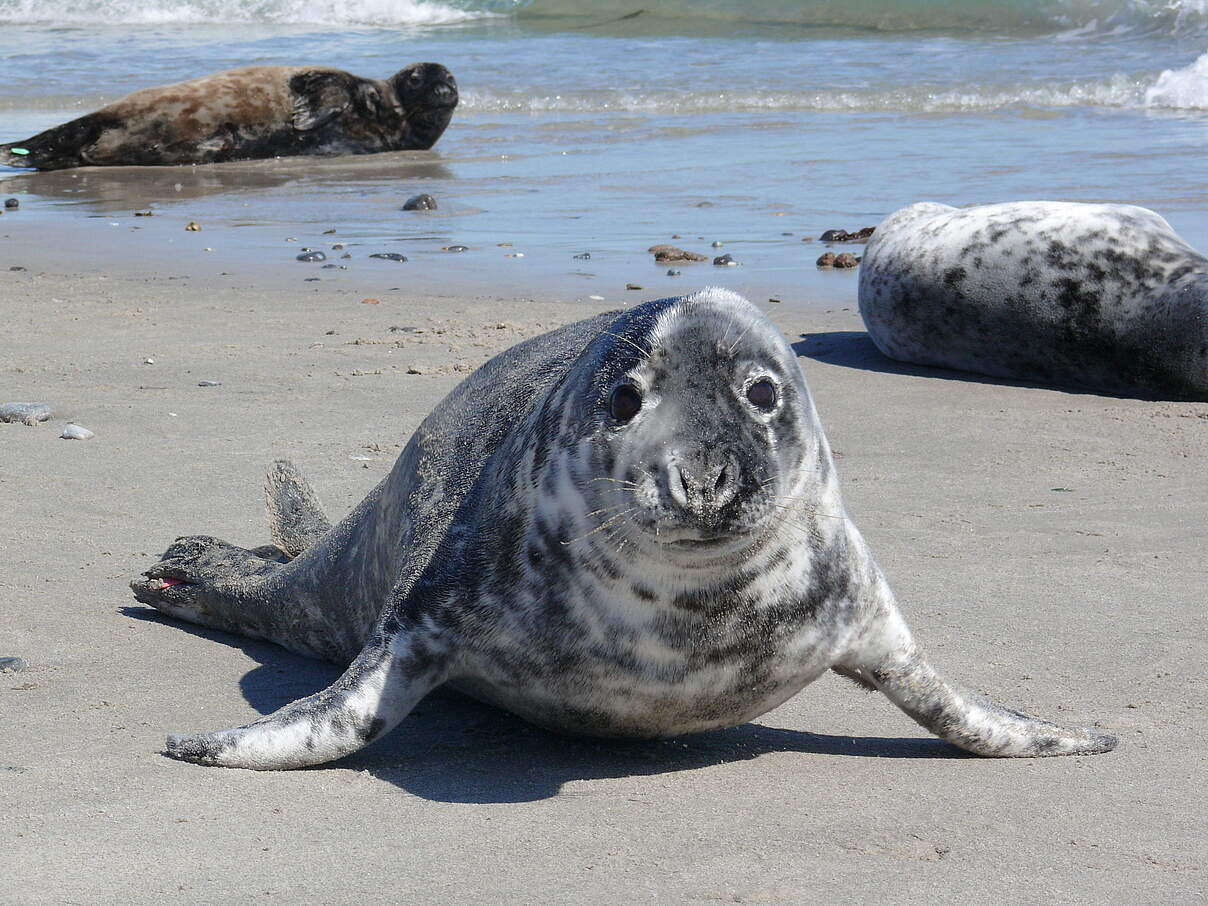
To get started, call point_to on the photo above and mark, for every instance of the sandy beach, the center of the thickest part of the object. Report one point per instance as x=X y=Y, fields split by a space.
x=1047 y=547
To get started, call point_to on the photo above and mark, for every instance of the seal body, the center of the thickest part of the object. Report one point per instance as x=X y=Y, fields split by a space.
x=254 y=112
x=628 y=527
x=1103 y=296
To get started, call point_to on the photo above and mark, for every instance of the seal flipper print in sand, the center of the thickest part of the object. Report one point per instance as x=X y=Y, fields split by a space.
x=1104 y=296
x=628 y=527
x=254 y=112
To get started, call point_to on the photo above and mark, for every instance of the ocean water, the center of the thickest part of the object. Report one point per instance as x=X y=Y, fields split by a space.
x=606 y=127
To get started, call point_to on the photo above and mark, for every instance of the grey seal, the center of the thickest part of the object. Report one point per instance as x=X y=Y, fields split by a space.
x=253 y=112
x=628 y=527
x=1103 y=296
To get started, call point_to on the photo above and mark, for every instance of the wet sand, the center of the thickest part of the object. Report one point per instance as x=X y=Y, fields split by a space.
x=1046 y=546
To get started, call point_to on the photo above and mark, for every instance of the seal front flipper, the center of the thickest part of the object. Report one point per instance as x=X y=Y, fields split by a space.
x=889 y=660
x=320 y=96
x=387 y=679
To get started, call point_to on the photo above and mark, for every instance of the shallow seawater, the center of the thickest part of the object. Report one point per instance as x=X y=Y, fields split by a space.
x=752 y=124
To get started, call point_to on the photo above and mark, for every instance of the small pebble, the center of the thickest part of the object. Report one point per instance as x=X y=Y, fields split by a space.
x=827 y=259
x=12 y=203
x=504 y=245
x=424 y=202
x=846 y=259
x=371 y=301
x=311 y=255
x=12 y=664
x=148 y=361
x=291 y=238
x=336 y=246
x=349 y=255
x=209 y=383
x=328 y=232
x=328 y=267
x=716 y=244
x=144 y=213
x=664 y=254
x=583 y=256
x=725 y=261
x=676 y=236
x=193 y=226
x=455 y=248
x=311 y=280
x=632 y=286
x=774 y=301
x=25 y=413
x=596 y=298
x=387 y=256
x=16 y=267
x=673 y=273
x=76 y=432
x=513 y=255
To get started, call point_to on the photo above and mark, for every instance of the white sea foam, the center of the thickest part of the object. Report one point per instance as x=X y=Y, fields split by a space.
x=321 y=12
x=1185 y=88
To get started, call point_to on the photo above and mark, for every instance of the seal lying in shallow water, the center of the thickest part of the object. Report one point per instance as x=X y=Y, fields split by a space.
x=1100 y=295
x=630 y=526
x=258 y=111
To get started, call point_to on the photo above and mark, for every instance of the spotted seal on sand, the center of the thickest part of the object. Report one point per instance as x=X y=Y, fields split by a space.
x=254 y=112
x=628 y=527
x=1104 y=296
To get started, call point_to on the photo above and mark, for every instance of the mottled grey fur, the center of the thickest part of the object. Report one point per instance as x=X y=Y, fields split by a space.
x=687 y=569
x=1099 y=295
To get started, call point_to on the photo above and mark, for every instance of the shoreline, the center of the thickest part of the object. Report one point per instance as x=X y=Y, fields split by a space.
x=1046 y=546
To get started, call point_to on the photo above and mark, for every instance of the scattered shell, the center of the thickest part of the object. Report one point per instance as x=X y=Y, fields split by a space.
x=349 y=255
x=311 y=255
x=12 y=664
x=76 y=432
x=144 y=213
x=388 y=256
x=336 y=246
x=371 y=301
x=632 y=286
x=456 y=248
x=716 y=244
x=16 y=267
x=513 y=255
x=25 y=413
x=209 y=383
x=329 y=232
x=192 y=226
x=583 y=256
x=725 y=261
x=423 y=202
x=862 y=235
x=827 y=259
x=148 y=361
x=12 y=203
x=673 y=273
x=596 y=298
x=846 y=259
x=774 y=301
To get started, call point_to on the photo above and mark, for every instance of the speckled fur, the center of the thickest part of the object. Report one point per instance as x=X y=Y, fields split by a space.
x=254 y=112
x=688 y=569
x=1098 y=295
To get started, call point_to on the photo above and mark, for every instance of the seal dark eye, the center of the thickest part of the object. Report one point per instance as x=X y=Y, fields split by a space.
x=625 y=402
x=762 y=394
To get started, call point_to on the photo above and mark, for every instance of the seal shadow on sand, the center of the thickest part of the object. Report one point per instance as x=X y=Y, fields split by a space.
x=452 y=748
x=855 y=349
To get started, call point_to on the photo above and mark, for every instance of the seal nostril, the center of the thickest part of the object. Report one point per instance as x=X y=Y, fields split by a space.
x=683 y=482
x=722 y=477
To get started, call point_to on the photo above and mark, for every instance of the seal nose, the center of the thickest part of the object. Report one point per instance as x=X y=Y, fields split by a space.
x=445 y=92
x=703 y=487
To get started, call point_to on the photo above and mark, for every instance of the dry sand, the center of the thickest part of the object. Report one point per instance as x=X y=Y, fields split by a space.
x=1048 y=547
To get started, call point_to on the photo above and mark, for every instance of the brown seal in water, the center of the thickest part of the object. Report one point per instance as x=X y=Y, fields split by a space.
x=254 y=112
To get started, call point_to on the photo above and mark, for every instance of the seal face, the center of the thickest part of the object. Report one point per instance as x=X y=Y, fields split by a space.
x=630 y=526
x=1098 y=295
x=254 y=112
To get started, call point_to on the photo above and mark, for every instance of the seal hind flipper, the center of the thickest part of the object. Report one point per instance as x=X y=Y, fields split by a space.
x=295 y=516
x=377 y=691
x=896 y=666
x=58 y=148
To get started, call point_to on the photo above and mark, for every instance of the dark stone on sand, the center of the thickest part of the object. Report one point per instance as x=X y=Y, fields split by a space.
x=386 y=256
x=12 y=664
x=846 y=259
x=862 y=235
x=16 y=267
x=673 y=273
x=632 y=286
x=667 y=254
x=725 y=261
x=12 y=203
x=423 y=202
x=312 y=255
x=826 y=260
x=456 y=248
x=583 y=256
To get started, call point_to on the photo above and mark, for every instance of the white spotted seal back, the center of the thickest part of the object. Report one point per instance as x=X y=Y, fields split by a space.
x=630 y=526
x=1105 y=296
